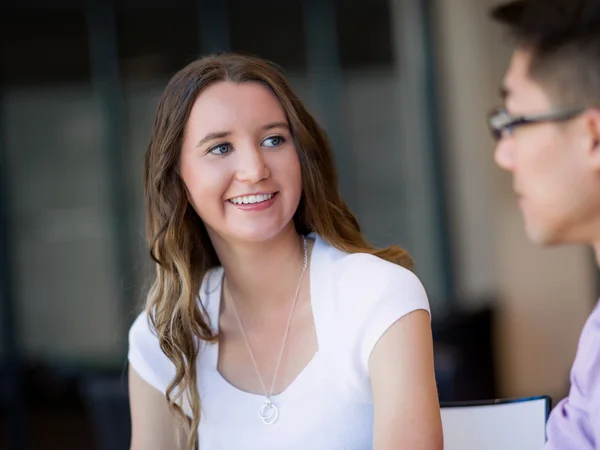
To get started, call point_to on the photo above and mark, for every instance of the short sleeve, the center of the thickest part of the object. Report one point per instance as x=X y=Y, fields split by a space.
x=379 y=293
x=403 y=295
x=574 y=423
x=146 y=356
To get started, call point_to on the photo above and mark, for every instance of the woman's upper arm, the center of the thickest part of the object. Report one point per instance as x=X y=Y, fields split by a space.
x=153 y=425
x=405 y=400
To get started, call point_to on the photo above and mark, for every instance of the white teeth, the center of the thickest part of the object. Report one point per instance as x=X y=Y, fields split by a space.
x=251 y=199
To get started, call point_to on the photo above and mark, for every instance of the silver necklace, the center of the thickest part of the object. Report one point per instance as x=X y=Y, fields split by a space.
x=268 y=411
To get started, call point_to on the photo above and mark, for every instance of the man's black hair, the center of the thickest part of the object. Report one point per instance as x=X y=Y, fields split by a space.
x=564 y=39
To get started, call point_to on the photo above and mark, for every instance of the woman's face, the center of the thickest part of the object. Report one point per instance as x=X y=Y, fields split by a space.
x=239 y=163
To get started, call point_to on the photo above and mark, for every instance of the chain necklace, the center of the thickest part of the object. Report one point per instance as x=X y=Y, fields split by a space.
x=268 y=411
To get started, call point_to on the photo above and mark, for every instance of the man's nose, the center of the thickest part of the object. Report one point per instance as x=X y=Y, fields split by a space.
x=504 y=155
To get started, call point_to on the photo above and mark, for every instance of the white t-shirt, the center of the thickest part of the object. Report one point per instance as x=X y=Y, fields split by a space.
x=355 y=298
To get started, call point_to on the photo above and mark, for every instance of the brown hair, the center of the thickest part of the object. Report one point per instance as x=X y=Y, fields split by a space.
x=177 y=238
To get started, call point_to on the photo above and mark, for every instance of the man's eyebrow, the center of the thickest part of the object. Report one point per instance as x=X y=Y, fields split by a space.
x=212 y=137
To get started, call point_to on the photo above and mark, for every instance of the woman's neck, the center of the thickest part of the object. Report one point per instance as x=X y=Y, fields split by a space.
x=262 y=276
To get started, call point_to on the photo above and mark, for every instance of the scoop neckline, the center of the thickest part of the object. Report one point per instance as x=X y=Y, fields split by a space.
x=214 y=311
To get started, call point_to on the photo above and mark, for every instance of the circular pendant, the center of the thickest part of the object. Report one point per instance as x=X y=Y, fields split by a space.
x=268 y=412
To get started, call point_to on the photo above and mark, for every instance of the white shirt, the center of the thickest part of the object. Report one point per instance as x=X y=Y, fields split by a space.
x=355 y=298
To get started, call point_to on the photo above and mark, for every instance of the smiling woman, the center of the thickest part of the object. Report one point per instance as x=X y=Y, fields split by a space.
x=238 y=146
x=268 y=304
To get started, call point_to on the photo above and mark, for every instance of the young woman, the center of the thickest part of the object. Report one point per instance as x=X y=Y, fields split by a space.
x=271 y=323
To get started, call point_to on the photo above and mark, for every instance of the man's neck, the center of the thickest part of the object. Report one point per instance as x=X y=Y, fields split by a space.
x=596 y=246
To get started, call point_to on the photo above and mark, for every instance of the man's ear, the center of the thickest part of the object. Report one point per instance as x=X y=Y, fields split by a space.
x=592 y=117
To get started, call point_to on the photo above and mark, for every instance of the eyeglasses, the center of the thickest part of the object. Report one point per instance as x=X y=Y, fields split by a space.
x=503 y=124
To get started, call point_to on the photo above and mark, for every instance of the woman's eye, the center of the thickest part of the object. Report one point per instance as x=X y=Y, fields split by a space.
x=273 y=141
x=220 y=149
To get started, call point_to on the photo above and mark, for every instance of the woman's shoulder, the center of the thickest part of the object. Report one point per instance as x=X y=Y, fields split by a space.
x=145 y=354
x=367 y=266
x=367 y=271
x=364 y=296
x=360 y=283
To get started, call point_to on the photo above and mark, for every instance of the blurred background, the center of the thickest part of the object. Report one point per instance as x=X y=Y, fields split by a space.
x=402 y=87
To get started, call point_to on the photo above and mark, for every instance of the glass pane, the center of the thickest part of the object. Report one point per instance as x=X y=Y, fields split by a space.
x=272 y=30
x=364 y=34
x=394 y=196
x=141 y=100
x=67 y=301
x=371 y=119
x=156 y=40
x=43 y=46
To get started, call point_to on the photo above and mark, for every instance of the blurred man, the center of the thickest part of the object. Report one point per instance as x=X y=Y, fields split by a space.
x=548 y=135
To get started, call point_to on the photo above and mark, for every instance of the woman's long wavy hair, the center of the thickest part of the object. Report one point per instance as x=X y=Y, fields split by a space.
x=178 y=241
